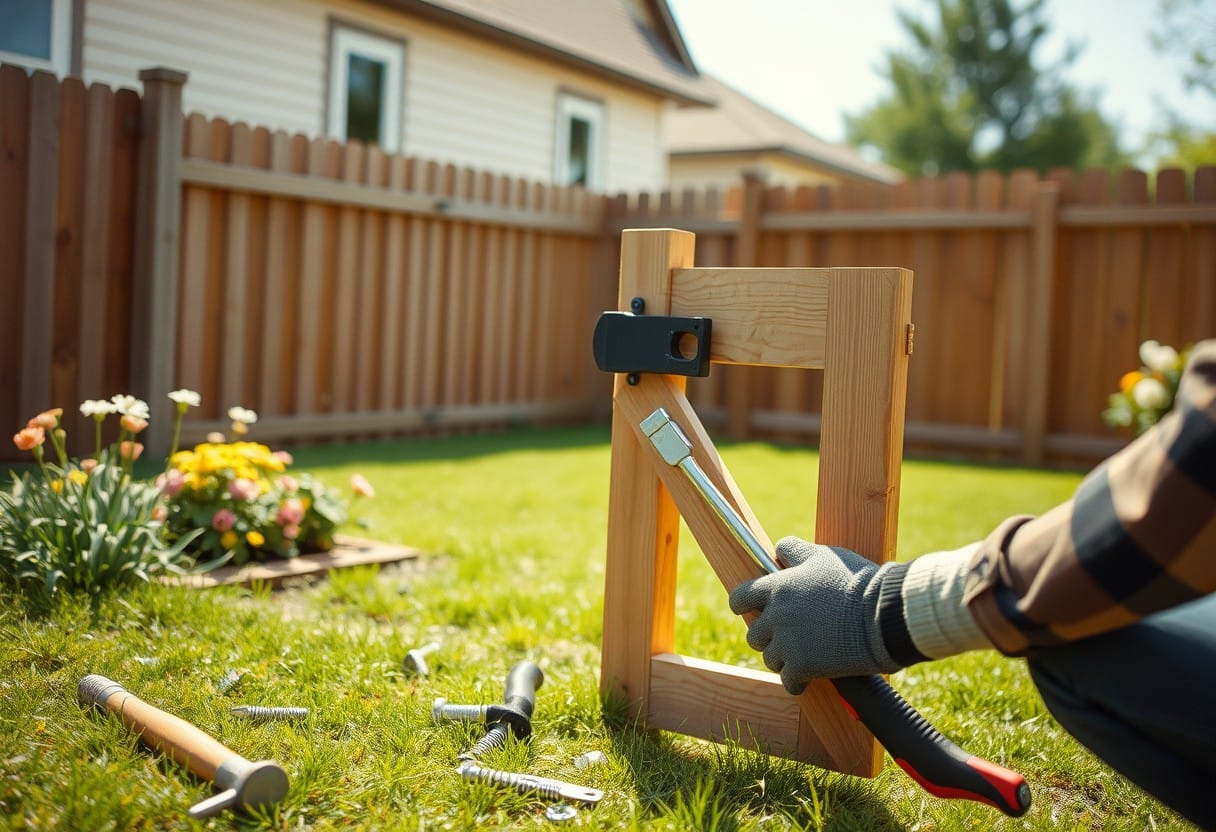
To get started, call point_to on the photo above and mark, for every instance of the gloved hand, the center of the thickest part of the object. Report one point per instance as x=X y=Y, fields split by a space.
x=818 y=617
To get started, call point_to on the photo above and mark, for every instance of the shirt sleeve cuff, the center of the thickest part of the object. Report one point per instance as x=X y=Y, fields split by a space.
x=938 y=620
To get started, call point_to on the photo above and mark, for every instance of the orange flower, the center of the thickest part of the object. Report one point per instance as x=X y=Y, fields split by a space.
x=29 y=438
x=133 y=424
x=47 y=419
x=130 y=450
x=1129 y=380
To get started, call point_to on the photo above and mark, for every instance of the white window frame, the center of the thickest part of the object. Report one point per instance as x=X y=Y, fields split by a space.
x=346 y=41
x=570 y=105
x=61 y=43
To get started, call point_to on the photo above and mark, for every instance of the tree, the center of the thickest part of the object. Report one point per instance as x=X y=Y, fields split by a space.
x=1188 y=30
x=969 y=94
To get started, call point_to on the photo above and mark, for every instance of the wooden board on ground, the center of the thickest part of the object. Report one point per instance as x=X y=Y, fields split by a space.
x=348 y=551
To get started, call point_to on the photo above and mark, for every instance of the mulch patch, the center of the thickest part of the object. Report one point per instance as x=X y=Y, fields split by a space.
x=347 y=552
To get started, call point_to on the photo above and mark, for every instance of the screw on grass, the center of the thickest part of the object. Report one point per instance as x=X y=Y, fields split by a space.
x=262 y=713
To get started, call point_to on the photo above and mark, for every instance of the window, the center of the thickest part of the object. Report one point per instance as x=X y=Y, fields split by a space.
x=365 y=88
x=37 y=34
x=580 y=140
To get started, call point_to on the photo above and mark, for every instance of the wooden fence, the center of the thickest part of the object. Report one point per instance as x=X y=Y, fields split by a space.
x=1031 y=295
x=341 y=292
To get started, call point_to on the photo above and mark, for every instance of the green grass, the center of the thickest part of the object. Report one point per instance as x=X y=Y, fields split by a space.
x=514 y=528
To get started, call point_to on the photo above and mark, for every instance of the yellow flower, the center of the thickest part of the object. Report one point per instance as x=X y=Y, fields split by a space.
x=57 y=486
x=228 y=539
x=254 y=538
x=79 y=477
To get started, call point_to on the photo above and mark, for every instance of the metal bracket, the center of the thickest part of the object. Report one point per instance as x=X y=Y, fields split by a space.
x=628 y=343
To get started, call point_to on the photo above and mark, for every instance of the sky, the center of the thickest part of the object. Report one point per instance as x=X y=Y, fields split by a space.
x=814 y=60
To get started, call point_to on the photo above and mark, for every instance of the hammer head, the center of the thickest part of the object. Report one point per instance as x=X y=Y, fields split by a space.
x=250 y=786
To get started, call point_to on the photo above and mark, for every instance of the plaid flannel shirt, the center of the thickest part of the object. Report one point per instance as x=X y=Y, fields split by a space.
x=1139 y=535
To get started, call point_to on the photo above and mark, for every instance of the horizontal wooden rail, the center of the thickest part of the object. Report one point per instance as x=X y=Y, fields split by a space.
x=894 y=220
x=915 y=220
x=342 y=424
x=207 y=174
x=1123 y=215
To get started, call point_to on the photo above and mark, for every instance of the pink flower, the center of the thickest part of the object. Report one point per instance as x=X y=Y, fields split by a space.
x=291 y=512
x=170 y=483
x=243 y=489
x=291 y=531
x=361 y=486
x=130 y=450
x=223 y=520
x=289 y=484
x=216 y=438
x=160 y=513
x=87 y=465
x=283 y=457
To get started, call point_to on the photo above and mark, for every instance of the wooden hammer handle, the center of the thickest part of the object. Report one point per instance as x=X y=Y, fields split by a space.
x=185 y=743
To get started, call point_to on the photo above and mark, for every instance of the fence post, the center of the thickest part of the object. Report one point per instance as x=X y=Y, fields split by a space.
x=157 y=234
x=747 y=250
x=1044 y=215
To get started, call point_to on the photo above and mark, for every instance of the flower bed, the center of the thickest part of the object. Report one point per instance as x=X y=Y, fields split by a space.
x=91 y=523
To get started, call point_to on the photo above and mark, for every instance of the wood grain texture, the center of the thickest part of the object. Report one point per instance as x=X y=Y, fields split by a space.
x=765 y=317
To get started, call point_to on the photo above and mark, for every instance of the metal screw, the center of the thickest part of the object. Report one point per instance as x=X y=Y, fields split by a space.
x=261 y=713
x=415 y=660
x=638 y=305
x=633 y=379
x=528 y=783
x=441 y=710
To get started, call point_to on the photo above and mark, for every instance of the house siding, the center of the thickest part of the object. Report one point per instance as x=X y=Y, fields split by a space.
x=466 y=101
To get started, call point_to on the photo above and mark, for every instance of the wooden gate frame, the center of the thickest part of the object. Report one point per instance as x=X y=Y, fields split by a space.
x=855 y=325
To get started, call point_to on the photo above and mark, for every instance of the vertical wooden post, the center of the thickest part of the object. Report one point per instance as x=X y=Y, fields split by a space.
x=157 y=233
x=643 y=524
x=747 y=249
x=1038 y=340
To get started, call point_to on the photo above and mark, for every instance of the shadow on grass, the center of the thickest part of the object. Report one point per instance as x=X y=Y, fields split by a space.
x=697 y=784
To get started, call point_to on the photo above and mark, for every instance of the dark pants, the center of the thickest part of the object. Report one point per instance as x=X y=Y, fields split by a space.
x=1144 y=700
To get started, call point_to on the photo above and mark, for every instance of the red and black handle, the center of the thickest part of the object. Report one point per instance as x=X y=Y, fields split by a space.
x=941 y=767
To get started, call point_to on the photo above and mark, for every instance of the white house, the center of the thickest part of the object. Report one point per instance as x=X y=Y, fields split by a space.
x=572 y=91
x=714 y=146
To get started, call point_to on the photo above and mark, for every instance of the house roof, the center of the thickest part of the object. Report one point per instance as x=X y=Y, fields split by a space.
x=739 y=124
x=634 y=42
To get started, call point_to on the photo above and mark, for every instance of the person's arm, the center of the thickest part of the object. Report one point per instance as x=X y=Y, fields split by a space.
x=1139 y=536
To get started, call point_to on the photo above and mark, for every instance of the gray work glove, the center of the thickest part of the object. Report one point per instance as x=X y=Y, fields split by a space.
x=819 y=617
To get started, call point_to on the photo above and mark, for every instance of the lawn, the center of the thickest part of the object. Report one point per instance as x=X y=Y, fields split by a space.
x=513 y=527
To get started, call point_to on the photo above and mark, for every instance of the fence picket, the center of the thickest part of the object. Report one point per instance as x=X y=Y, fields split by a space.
x=95 y=251
x=235 y=279
x=69 y=222
x=1200 y=293
x=391 y=349
x=38 y=292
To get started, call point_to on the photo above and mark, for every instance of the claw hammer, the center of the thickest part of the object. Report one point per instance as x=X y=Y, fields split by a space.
x=243 y=784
